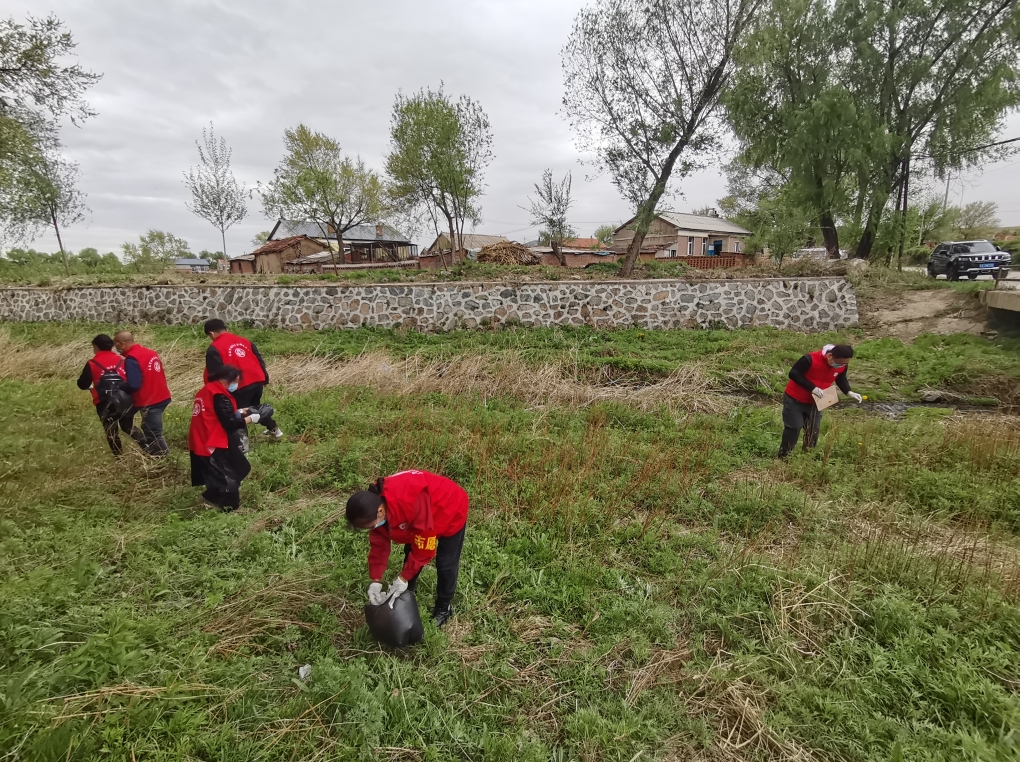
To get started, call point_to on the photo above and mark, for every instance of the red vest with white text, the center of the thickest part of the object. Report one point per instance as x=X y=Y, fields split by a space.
x=154 y=388
x=821 y=374
x=237 y=351
x=206 y=433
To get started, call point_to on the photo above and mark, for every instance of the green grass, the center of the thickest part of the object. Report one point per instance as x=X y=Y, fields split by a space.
x=631 y=583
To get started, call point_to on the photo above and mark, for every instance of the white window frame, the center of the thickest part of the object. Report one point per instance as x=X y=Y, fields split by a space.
x=704 y=247
x=690 y=246
x=736 y=247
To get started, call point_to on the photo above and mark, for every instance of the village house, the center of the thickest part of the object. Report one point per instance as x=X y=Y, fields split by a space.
x=472 y=244
x=674 y=235
x=363 y=244
x=242 y=265
x=273 y=255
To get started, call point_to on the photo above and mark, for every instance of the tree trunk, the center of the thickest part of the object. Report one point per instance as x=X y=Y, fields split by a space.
x=60 y=243
x=830 y=234
x=903 y=214
x=867 y=242
x=557 y=248
x=453 y=242
x=223 y=238
x=340 y=247
x=646 y=211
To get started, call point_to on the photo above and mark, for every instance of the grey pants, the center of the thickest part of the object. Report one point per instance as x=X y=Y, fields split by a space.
x=796 y=415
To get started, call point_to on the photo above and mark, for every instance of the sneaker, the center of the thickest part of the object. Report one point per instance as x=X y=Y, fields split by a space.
x=276 y=435
x=442 y=614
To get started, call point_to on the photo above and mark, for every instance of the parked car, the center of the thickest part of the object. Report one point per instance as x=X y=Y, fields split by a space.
x=956 y=259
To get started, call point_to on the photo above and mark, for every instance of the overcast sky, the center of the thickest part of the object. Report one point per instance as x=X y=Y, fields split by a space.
x=254 y=68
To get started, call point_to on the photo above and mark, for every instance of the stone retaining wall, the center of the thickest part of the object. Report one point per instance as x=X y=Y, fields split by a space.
x=808 y=304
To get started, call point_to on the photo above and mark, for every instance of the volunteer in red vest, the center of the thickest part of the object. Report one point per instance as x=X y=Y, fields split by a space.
x=230 y=349
x=428 y=514
x=146 y=381
x=105 y=359
x=810 y=376
x=215 y=440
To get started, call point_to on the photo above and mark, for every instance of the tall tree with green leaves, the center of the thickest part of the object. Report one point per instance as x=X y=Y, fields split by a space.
x=794 y=116
x=216 y=195
x=46 y=196
x=550 y=209
x=439 y=149
x=605 y=234
x=643 y=80
x=37 y=86
x=315 y=182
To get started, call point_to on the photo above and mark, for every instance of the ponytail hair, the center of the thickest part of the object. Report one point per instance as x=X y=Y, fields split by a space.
x=363 y=507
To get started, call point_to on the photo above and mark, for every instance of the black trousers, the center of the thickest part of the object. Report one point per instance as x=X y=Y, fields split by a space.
x=447 y=567
x=796 y=416
x=113 y=427
x=251 y=396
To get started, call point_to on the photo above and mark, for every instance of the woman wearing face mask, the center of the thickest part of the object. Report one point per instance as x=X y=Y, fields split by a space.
x=810 y=376
x=215 y=440
x=428 y=514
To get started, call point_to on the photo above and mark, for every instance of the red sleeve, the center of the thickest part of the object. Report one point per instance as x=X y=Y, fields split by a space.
x=378 y=551
x=423 y=544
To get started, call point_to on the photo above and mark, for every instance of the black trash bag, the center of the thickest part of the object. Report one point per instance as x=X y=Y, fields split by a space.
x=114 y=405
x=396 y=627
x=265 y=411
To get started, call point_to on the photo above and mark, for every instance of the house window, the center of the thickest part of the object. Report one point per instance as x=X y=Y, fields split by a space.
x=690 y=246
x=736 y=246
x=704 y=247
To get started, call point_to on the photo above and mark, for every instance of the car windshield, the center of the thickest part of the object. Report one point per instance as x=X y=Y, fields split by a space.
x=977 y=247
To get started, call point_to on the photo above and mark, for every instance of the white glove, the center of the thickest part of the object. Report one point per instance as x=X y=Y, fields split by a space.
x=818 y=392
x=855 y=397
x=375 y=594
x=397 y=587
x=254 y=417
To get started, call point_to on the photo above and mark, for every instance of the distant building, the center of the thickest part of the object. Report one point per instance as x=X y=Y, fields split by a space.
x=242 y=265
x=362 y=243
x=272 y=256
x=684 y=235
x=192 y=265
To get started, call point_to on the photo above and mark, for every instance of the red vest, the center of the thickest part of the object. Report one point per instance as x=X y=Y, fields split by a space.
x=237 y=351
x=821 y=374
x=154 y=389
x=206 y=433
x=103 y=361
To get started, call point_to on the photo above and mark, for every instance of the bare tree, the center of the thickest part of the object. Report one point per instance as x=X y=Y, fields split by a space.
x=550 y=211
x=216 y=196
x=643 y=81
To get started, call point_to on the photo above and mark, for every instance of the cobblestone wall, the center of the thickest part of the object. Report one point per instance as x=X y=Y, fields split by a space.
x=808 y=304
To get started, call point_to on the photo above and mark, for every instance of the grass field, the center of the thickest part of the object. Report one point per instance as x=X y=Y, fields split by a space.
x=641 y=579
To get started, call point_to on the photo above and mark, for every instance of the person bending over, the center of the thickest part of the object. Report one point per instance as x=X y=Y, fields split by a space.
x=428 y=514
x=810 y=376
x=216 y=440
x=229 y=349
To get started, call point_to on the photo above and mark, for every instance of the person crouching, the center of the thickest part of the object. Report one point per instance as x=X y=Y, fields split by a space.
x=216 y=439
x=426 y=512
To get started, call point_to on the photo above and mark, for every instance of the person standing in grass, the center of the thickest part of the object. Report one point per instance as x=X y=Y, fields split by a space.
x=150 y=395
x=428 y=514
x=104 y=375
x=810 y=376
x=229 y=349
x=215 y=439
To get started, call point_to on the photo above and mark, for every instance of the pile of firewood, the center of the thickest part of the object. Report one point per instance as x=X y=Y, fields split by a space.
x=508 y=253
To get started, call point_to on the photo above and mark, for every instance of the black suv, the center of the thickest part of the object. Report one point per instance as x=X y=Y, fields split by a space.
x=971 y=258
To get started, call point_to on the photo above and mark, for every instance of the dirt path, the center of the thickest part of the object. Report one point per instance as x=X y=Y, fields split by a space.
x=908 y=314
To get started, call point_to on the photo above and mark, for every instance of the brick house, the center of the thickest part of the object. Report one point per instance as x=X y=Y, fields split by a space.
x=674 y=235
x=272 y=256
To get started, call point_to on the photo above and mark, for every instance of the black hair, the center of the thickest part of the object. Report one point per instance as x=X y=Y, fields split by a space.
x=214 y=325
x=363 y=507
x=103 y=343
x=843 y=351
x=226 y=373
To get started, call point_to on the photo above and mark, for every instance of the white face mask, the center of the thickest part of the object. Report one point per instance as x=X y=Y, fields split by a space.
x=232 y=387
